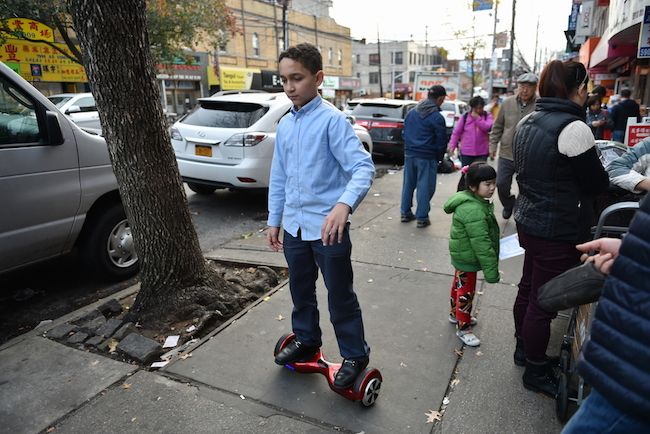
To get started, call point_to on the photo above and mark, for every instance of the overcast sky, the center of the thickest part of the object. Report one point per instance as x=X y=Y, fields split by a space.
x=407 y=19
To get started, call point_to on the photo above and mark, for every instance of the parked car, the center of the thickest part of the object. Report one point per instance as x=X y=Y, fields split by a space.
x=452 y=110
x=227 y=141
x=57 y=187
x=384 y=120
x=79 y=107
x=351 y=104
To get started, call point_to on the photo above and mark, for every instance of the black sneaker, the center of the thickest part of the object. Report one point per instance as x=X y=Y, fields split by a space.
x=519 y=356
x=294 y=352
x=407 y=218
x=423 y=223
x=349 y=371
x=540 y=378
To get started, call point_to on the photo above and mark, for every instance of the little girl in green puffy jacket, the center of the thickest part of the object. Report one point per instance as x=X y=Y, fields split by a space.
x=473 y=244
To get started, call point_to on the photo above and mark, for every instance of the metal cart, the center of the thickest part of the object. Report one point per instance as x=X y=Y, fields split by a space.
x=571 y=387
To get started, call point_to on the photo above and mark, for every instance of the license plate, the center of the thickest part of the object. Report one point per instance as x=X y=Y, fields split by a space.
x=203 y=151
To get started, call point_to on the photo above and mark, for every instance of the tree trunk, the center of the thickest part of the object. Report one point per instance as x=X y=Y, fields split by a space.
x=175 y=281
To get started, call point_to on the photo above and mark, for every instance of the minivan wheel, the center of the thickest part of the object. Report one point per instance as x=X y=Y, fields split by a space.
x=201 y=188
x=108 y=247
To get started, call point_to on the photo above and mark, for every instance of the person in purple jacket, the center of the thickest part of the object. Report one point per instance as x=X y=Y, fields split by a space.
x=471 y=136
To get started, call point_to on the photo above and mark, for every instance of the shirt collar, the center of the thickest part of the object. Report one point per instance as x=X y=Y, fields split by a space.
x=309 y=107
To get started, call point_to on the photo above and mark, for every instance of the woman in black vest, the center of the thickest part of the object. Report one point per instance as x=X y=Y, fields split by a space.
x=558 y=173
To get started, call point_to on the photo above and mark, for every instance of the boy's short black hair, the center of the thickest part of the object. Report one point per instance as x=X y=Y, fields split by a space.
x=593 y=99
x=478 y=172
x=307 y=54
x=626 y=93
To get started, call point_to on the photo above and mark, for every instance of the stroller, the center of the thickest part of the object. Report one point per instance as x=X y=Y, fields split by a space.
x=571 y=387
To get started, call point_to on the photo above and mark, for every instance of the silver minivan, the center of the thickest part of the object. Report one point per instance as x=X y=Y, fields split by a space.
x=57 y=188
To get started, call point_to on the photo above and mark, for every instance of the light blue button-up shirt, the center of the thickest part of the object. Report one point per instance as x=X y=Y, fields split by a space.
x=318 y=161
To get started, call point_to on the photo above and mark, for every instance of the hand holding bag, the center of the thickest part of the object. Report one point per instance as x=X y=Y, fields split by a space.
x=574 y=287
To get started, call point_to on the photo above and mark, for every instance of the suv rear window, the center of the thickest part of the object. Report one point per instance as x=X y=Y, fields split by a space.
x=225 y=114
x=379 y=110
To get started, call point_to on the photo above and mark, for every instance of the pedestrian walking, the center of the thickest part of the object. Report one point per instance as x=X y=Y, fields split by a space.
x=615 y=359
x=471 y=136
x=625 y=108
x=473 y=245
x=425 y=139
x=319 y=175
x=513 y=109
x=558 y=173
x=596 y=117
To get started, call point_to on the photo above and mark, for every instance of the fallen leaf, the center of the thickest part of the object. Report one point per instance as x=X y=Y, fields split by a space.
x=126 y=385
x=247 y=235
x=458 y=352
x=51 y=429
x=479 y=353
x=432 y=416
x=279 y=317
x=133 y=419
x=455 y=382
x=112 y=345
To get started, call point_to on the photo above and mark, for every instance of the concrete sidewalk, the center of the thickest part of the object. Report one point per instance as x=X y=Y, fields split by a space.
x=230 y=384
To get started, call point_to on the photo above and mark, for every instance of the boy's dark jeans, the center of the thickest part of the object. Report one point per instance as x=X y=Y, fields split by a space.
x=544 y=259
x=304 y=259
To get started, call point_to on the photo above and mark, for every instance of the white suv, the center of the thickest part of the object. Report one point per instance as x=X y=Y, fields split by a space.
x=227 y=141
x=452 y=110
x=78 y=107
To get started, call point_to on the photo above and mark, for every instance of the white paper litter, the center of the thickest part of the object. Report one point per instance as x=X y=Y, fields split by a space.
x=171 y=341
x=159 y=364
x=509 y=247
x=190 y=329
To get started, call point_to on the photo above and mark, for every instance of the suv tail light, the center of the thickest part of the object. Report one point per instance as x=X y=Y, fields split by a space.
x=450 y=115
x=175 y=134
x=245 y=139
x=387 y=124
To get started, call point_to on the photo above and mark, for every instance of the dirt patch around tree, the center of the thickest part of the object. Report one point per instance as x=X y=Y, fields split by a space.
x=107 y=330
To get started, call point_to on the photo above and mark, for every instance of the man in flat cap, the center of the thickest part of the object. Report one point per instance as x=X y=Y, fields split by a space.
x=513 y=109
x=425 y=137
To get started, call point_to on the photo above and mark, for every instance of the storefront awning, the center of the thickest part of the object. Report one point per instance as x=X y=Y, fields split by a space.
x=606 y=52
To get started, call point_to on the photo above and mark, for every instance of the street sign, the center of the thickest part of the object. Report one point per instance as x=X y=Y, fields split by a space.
x=636 y=131
x=482 y=5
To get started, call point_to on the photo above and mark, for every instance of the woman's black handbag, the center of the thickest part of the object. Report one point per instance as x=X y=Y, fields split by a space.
x=574 y=287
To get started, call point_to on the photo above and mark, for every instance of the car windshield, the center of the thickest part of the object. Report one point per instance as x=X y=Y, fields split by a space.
x=58 y=101
x=448 y=106
x=225 y=114
x=378 y=110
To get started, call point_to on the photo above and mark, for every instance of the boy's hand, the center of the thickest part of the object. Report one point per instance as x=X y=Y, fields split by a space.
x=334 y=224
x=607 y=249
x=273 y=238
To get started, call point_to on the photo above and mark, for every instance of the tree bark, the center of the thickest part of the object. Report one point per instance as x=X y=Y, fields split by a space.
x=175 y=280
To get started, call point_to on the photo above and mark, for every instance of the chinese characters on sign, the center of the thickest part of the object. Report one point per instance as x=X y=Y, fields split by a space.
x=636 y=133
x=29 y=29
x=41 y=62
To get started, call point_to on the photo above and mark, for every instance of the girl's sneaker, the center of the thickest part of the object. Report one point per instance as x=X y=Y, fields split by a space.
x=453 y=320
x=468 y=338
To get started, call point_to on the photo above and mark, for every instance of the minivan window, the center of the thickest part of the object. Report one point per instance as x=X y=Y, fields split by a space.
x=225 y=114
x=18 y=123
x=378 y=110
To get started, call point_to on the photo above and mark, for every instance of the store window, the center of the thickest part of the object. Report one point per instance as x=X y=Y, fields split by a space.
x=256 y=44
x=373 y=58
x=330 y=55
x=399 y=58
x=340 y=57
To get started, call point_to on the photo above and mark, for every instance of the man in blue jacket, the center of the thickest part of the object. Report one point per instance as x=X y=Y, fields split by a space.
x=616 y=358
x=425 y=137
x=618 y=115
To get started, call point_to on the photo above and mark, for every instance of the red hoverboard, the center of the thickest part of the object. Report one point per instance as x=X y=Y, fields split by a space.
x=365 y=389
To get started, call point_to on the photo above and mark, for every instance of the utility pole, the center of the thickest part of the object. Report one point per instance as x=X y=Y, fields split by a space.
x=381 y=86
x=536 y=40
x=243 y=26
x=426 y=44
x=494 y=47
x=277 y=36
x=316 y=30
x=285 y=24
x=512 y=43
